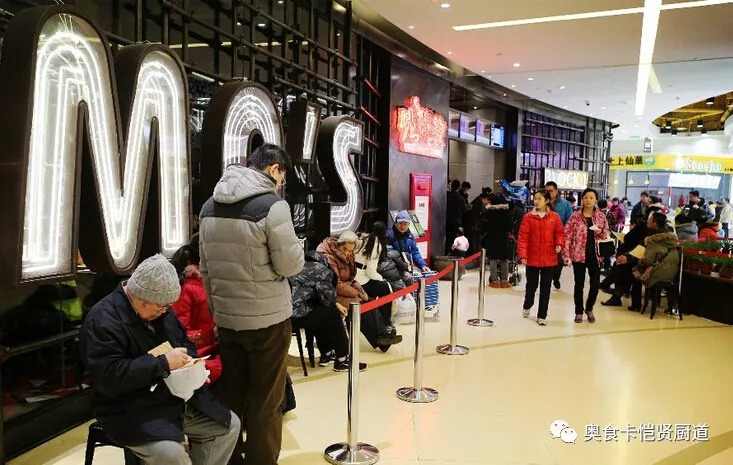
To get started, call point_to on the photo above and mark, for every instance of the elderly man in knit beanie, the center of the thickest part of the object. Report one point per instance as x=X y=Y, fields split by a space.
x=130 y=398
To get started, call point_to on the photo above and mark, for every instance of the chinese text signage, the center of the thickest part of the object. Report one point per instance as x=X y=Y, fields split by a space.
x=691 y=163
x=420 y=130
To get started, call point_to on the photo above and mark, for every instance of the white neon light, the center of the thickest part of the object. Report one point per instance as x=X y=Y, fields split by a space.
x=348 y=138
x=649 y=27
x=72 y=68
x=252 y=108
x=588 y=15
x=311 y=119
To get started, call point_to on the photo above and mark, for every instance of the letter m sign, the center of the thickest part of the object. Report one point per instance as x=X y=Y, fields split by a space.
x=94 y=156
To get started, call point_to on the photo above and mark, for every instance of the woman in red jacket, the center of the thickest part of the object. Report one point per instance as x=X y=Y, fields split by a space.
x=541 y=238
x=192 y=308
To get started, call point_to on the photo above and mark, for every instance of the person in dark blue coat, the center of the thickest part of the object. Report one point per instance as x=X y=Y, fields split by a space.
x=130 y=397
x=402 y=240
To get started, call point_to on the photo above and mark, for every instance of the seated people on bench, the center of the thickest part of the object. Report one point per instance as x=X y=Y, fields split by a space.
x=130 y=397
x=402 y=240
x=340 y=255
x=315 y=308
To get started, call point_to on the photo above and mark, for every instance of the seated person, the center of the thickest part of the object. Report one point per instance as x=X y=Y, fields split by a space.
x=661 y=261
x=402 y=240
x=686 y=227
x=621 y=276
x=315 y=308
x=192 y=308
x=340 y=255
x=395 y=270
x=129 y=395
x=372 y=249
x=708 y=231
x=460 y=245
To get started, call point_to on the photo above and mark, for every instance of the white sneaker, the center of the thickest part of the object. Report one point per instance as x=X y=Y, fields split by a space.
x=525 y=312
x=541 y=321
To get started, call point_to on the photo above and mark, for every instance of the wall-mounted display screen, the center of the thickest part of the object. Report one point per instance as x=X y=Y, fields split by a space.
x=454 y=124
x=483 y=132
x=497 y=136
x=468 y=127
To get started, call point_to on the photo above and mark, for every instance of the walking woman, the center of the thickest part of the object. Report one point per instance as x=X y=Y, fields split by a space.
x=584 y=228
x=541 y=238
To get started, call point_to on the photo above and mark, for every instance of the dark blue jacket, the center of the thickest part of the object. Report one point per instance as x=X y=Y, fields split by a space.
x=114 y=345
x=405 y=243
x=562 y=207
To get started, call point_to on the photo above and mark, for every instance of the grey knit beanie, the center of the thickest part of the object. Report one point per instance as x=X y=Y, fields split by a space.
x=155 y=280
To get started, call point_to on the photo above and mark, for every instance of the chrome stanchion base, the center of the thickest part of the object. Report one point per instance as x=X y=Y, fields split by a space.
x=417 y=396
x=452 y=350
x=342 y=454
x=480 y=322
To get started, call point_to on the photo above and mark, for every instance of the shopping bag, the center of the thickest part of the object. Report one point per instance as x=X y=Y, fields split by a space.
x=406 y=310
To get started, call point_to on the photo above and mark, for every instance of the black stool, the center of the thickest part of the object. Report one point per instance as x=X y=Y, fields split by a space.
x=308 y=344
x=654 y=294
x=98 y=438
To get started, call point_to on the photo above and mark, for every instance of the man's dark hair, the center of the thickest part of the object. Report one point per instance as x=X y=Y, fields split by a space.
x=455 y=185
x=615 y=199
x=695 y=193
x=682 y=218
x=487 y=190
x=571 y=199
x=727 y=199
x=267 y=155
x=603 y=203
x=644 y=194
x=497 y=199
x=551 y=183
x=660 y=219
x=466 y=185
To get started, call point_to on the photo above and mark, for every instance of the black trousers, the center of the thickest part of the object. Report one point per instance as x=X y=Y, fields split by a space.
x=328 y=328
x=725 y=229
x=451 y=232
x=375 y=290
x=558 y=269
x=541 y=276
x=594 y=271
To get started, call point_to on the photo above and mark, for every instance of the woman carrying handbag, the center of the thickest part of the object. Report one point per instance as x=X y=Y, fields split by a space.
x=585 y=227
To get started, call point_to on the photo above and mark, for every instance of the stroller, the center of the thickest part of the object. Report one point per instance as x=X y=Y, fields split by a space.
x=515 y=277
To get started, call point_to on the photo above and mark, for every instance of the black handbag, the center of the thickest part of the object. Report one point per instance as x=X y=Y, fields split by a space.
x=606 y=247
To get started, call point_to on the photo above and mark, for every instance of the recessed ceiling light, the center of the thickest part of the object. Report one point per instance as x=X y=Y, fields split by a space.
x=513 y=86
x=411 y=27
x=504 y=95
x=261 y=24
x=280 y=2
x=517 y=65
x=603 y=108
x=562 y=87
x=445 y=5
x=489 y=77
x=483 y=71
x=710 y=101
x=475 y=108
x=565 y=107
x=450 y=53
x=699 y=123
x=338 y=34
x=530 y=79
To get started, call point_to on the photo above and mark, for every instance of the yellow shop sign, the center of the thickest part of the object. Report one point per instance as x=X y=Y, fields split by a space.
x=688 y=163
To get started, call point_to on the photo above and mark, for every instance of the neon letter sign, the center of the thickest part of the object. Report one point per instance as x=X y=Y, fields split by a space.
x=57 y=71
x=343 y=137
x=420 y=130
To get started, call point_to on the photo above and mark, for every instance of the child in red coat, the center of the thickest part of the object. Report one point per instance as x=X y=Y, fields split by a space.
x=541 y=238
x=192 y=308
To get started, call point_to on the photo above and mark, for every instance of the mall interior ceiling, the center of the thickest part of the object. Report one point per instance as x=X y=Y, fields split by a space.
x=628 y=62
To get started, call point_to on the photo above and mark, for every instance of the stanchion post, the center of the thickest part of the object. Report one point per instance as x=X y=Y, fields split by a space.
x=481 y=321
x=352 y=452
x=453 y=348
x=418 y=393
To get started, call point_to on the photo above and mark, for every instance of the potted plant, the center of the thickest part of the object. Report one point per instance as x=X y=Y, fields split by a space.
x=706 y=264
x=726 y=267
x=692 y=263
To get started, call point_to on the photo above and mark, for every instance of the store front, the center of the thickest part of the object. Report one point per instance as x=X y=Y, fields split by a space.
x=670 y=177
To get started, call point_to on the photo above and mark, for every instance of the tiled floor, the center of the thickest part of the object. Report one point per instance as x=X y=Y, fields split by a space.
x=496 y=403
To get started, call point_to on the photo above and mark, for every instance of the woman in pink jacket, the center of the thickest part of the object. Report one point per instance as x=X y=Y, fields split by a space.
x=584 y=227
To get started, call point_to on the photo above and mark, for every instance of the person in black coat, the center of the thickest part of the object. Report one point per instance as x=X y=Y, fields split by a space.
x=496 y=223
x=621 y=274
x=130 y=396
x=456 y=207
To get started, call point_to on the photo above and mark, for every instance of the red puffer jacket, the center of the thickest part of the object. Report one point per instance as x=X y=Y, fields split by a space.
x=192 y=311
x=538 y=237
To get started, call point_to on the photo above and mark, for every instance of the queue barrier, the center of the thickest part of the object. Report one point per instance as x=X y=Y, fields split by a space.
x=353 y=452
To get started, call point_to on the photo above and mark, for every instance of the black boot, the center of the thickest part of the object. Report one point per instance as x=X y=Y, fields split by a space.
x=614 y=301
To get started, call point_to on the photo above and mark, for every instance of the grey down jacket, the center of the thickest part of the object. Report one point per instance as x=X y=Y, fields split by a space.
x=248 y=250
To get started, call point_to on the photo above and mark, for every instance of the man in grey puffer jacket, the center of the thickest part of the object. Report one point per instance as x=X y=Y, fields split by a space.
x=248 y=250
